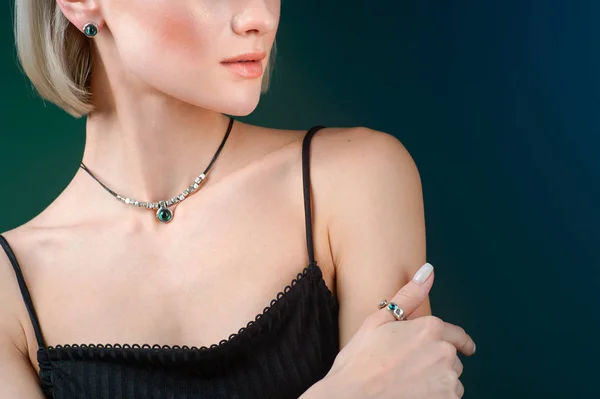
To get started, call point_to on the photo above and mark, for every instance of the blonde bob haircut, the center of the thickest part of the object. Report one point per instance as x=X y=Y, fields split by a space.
x=57 y=57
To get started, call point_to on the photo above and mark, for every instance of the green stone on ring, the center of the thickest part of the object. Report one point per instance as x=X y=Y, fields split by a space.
x=392 y=306
x=164 y=215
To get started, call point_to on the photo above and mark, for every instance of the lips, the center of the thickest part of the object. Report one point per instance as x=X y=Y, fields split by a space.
x=246 y=57
x=233 y=62
x=246 y=69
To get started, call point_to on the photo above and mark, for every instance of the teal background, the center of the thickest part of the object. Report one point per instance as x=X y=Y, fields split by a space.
x=498 y=104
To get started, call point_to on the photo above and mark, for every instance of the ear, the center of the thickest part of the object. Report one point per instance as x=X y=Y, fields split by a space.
x=81 y=12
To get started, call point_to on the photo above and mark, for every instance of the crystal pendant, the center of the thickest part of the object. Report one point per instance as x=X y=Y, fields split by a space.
x=164 y=214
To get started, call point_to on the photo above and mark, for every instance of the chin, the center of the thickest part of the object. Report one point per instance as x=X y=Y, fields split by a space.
x=237 y=103
x=232 y=97
x=239 y=109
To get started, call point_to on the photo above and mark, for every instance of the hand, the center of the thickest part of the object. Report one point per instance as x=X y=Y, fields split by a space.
x=410 y=359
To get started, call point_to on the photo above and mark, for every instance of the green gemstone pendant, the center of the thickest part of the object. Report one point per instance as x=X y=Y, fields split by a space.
x=164 y=214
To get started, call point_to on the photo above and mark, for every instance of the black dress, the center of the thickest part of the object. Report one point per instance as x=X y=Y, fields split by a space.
x=287 y=348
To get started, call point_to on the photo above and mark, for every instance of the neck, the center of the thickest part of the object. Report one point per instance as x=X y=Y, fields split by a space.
x=153 y=147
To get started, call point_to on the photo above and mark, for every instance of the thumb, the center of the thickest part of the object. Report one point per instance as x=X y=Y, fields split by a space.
x=411 y=296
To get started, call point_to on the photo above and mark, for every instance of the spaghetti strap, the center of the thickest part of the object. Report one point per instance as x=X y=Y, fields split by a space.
x=24 y=292
x=306 y=184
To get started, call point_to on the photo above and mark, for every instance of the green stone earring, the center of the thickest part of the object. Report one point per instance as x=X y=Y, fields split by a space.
x=90 y=29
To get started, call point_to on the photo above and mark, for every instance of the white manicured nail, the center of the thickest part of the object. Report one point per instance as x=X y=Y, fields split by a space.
x=423 y=273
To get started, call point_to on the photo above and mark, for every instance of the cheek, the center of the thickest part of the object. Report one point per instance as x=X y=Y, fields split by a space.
x=175 y=46
x=179 y=31
x=163 y=28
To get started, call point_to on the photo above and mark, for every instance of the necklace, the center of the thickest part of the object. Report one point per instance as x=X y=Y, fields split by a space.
x=163 y=213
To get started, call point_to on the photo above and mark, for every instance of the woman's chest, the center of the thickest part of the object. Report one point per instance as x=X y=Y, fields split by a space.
x=193 y=288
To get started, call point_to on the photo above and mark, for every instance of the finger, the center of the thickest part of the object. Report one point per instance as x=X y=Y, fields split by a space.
x=460 y=389
x=459 y=338
x=413 y=294
x=458 y=366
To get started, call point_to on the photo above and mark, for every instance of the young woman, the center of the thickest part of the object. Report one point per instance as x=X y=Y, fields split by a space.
x=195 y=256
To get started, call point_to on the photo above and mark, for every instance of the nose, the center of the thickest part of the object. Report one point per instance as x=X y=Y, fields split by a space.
x=256 y=17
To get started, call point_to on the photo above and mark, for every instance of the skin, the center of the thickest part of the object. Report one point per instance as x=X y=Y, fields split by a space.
x=103 y=272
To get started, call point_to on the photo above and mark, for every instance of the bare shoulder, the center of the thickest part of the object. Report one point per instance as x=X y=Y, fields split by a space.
x=349 y=168
x=13 y=313
x=376 y=226
x=361 y=167
x=17 y=375
x=359 y=148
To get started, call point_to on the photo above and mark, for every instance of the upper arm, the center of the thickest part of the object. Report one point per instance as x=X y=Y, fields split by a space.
x=376 y=224
x=18 y=378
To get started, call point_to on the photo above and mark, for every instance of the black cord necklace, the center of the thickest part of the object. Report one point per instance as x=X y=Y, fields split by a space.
x=163 y=213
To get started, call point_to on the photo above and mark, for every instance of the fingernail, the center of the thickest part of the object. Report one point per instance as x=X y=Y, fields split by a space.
x=474 y=347
x=423 y=273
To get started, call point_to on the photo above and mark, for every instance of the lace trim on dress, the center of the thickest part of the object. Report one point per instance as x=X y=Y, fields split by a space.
x=170 y=353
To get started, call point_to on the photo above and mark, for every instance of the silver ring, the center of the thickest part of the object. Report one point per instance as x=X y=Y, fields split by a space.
x=394 y=309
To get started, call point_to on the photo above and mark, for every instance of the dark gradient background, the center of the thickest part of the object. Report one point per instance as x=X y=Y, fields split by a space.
x=498 y=104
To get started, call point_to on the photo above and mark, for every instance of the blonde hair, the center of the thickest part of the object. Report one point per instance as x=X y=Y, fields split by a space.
x=58 y=58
